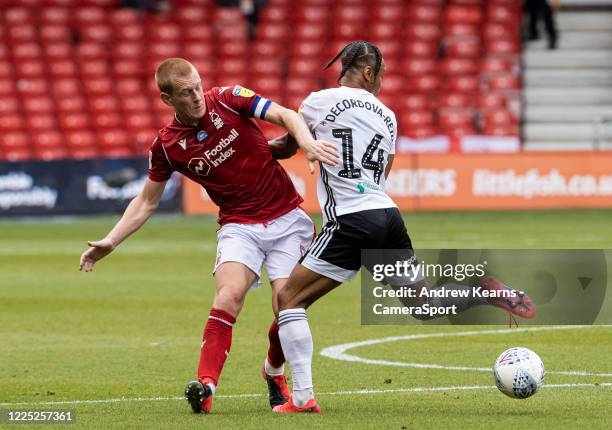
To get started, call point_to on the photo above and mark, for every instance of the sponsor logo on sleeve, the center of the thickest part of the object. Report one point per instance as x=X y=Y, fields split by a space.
x=242 y=92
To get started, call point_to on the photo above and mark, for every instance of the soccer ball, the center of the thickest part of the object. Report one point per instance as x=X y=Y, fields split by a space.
x=518 y=372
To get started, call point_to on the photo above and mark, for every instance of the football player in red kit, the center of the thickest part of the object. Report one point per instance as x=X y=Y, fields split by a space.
x=213 y=141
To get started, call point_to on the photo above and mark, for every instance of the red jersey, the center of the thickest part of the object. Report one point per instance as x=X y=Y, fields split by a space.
x=229 y=156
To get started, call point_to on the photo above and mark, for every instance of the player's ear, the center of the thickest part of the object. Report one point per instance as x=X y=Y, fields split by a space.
x=165 y=97
x=368 y=74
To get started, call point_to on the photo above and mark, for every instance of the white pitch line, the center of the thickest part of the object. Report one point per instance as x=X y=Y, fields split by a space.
x=333 y=393
x=338 y=352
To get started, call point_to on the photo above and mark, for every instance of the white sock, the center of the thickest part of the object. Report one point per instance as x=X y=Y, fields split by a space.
x=296 y=340
x=273 y=371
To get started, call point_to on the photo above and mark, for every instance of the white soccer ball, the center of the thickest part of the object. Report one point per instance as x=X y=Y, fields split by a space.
x=518 y=373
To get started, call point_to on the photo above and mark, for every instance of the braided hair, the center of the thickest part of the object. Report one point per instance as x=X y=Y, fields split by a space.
x=356 y=55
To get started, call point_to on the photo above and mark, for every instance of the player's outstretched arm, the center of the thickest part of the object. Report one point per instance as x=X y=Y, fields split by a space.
x=283 y=147
x=314 y=150
x=136 y=214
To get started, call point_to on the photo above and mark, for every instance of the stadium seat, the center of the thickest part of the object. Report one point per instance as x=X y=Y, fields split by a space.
x=450 y=118
x=458 y=66
x=11 y=122
x=70 y=103
x=74 y=121
x=9 y=105
x=462 y=83
x=14 y=140
x=38 y=105
x=103 y=104
x=58 y=50
x=32 y=87
x=66 y=87
x=415 y=66
x=63 y=68
x=455 y=100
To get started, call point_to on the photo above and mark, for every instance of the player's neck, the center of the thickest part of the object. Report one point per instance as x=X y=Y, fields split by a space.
x=189 y=121
x=352 y=83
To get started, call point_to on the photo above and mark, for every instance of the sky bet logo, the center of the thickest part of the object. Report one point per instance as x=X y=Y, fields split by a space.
x=219 y=154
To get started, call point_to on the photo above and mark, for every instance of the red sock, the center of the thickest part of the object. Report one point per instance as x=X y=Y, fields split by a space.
x=276 y=358
x=216 y=344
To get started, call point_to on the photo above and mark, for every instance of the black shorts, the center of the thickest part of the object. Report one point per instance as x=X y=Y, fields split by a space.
x=336 y=252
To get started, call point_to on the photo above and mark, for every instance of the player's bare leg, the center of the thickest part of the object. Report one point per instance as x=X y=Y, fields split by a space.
x=303 y=288
x=232 y=282
x=273 y=370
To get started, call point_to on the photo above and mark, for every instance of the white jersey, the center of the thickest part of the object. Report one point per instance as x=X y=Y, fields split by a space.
x=364 y=130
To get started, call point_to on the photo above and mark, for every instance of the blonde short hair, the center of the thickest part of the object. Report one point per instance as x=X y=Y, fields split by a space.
x=169 y=69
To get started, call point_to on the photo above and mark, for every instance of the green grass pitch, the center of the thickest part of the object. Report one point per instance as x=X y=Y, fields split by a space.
x=131 y=330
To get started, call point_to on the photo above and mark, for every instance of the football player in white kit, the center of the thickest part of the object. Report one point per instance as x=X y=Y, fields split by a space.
x=357 y=213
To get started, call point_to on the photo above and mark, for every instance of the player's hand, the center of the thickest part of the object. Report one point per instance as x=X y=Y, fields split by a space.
x=97 y=250
x=319 y=150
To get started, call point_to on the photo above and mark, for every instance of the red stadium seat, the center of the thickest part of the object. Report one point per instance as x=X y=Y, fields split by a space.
x=80 y=139
x=232 y=49
x=496 y=31
x=503 y=13
x=101 y=33
x=393 y=84
x=316 y=14
x=418 y=66
x=266 y=66
x=231 y=66
x=265 y=48
x=423 y=84
x=66 y=87
x=129 y=68
x=415 y=102
x=94 y=68
x=135 y=103
x=18 y=16
x=125 y=17
x=22 y=33
x=423 y=13
x=103 y=104
x=456 y=118
x=58 y=50
x=463 y=14
x=489 y=100
x=415 y=118
x=274 y=13
x=461 y=29
x=133 y=32
x=48 y=139
x=309 y=31
x=496 y=64
x=266 y=86
x=349 y=31
x=273 y=32
x=301 y=86
x=98 y=86
x=113 y=138
x=388 y=13
x=204 y=51
x=26 y=51
x=54 y=15
x=11 y=122
x=512 y=130
x=463 y=47
x=70 y=103
x=430 y=32
x=91 y=51
x=505 y=81
x=64 y=68
x=74 y=121
x=456 y=66
x=14 y=140
x=383 y=31
x=8 y=105
x=30 y=69
x=32 y=87
x=417 y=132
x=455 y=100
x=504 y=46
x=130 y=87
x=139 y=120
x=305 y=67
x=53 y=33
x=419 y=48
x=462 y=83
x=48 y=153
x=498 y=117
x=89 y=15
x=117 y=151
x=106 y=120
x=16 y=154
x=351 y=13
x=38 y=105
x=191 y=15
